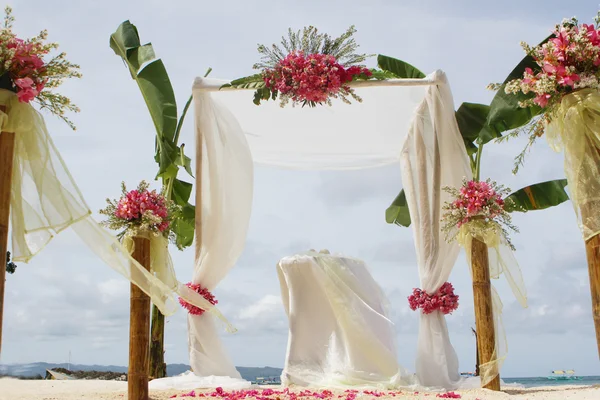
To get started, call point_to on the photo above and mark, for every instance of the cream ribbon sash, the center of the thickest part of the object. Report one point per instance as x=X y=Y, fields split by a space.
x=501 y=261
x=575 y=127
x=45 y=200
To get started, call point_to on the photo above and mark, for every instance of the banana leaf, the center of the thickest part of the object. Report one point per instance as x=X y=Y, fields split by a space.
x=397 y=213
x=537 y=197
x=399 y=68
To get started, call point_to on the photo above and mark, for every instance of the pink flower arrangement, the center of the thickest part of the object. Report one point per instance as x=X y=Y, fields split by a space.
x=140 y=211
x=477 y=199
x=310 y=68
x=443 y=300
x=202 y=292
x=480 y=205
x=135 y=203
x=311 y=78
x=568 y=61
x=26 y=70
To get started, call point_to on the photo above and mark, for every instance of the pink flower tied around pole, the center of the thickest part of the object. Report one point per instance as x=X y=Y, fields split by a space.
x=443 y=300
x=192 y=309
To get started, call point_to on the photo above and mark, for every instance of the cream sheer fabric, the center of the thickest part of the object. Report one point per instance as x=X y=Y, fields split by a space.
x=224 y=200
x=46 y=200
x=340 y=137
x=575 y=128
x=340 y=333
x=434 y=156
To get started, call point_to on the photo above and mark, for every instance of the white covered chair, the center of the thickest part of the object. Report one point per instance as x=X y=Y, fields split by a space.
x=339 y=330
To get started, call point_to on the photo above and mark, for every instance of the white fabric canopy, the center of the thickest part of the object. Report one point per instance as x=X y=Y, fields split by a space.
x=340 y=333
x=340 y=137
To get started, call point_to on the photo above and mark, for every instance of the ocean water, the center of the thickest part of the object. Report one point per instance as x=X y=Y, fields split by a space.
x=543 y=381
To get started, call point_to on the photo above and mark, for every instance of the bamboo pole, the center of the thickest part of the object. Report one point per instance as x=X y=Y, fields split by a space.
x=157 y=367
x=484 y=314
x=7 y=150
x=592 y=249
x=139 y=329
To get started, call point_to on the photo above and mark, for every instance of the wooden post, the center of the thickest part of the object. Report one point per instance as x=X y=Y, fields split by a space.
x=157 y=367
x=7 y=151
x=484 y=313
x=592 y=248
x=139 y=329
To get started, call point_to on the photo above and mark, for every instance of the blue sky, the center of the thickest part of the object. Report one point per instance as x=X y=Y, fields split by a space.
x=66 y=300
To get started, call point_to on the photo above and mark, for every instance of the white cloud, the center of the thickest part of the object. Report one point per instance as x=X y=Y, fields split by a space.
x=267 y=305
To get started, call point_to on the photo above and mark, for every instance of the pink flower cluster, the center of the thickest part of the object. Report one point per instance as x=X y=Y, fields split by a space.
x=272 y=394
x=476 y=199
x=192 y=309
x=570 y=60
x=27 y=67
x=443 y=300
x=135 y=204
x=311 y=78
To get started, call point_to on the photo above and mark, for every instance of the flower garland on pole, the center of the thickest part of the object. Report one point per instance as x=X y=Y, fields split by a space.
x=476 y=218
x=443 y=300
x=558 y=92
x=27 y=74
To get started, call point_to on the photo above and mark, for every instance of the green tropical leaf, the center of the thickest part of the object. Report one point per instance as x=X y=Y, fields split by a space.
x=537 y=197
x=379 y=75
x=184 y=161
x=156 y=88
x=181 y=192
x=397 y=213
x=262 y=94
x=249 y=82
x=152 y=79
x=471 y=119
x=471 y=148
x=166 y=157
x=505 y=113
x=183 y=227
x=399 y=68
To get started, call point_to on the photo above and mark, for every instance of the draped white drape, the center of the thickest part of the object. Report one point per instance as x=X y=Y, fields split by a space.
x=340 y=137
x=433 y=156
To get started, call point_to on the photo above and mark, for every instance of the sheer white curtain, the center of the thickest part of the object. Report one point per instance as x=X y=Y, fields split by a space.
x=224 y=199
x=340 y=137
x=434 y=156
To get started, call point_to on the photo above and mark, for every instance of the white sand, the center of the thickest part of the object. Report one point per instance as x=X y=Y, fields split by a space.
x=13 y=389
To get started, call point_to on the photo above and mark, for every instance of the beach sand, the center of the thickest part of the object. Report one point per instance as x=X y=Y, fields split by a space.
x=13 y=389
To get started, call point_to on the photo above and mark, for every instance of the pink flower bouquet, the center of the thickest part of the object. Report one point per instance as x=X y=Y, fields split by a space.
x=24 y=70
x=140 y=210
x=477 y=202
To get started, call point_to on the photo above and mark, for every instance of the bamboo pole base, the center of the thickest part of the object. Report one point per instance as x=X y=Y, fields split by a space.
x=484 y=313
x=157 y=367
x=592 y=249
x=7 y=151
x=139 y=329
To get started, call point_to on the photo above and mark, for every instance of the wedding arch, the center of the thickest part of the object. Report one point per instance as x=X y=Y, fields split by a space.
x=405 y=121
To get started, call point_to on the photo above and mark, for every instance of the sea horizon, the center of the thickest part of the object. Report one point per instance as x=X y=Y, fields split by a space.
x=251 y=373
